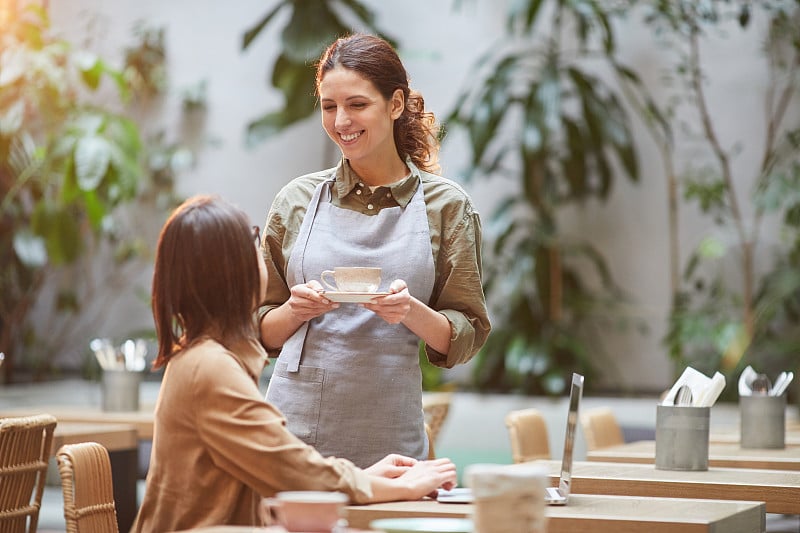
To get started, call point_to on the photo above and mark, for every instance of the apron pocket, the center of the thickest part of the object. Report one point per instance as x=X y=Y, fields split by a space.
x=298 y=395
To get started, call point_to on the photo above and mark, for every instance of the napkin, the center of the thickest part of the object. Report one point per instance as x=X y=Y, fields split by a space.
x=705 y=390
x=748 y=375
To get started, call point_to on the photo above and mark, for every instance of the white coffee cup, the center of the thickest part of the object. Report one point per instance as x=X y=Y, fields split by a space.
x=305 y=510
x=352 y=279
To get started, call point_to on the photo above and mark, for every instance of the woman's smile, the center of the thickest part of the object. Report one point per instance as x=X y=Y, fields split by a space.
x=357 y=117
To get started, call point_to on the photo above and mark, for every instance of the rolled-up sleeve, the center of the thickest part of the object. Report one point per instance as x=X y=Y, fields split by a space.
x=459 y=293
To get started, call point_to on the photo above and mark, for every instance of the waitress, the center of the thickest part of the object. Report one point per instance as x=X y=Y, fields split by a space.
x=347 y=375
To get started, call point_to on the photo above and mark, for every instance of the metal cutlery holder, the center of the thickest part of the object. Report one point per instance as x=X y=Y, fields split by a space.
x=120 y=389
x=763 y=421
x=682 y=437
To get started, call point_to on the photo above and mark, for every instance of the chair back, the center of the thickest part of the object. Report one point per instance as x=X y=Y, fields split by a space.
x=527 y=431
x=431 y=449
x=25 y=447
x=600 y=428
x=88 y=488
x=435 y=407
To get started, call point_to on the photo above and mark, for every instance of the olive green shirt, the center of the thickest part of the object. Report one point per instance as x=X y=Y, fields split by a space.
x=455 y=232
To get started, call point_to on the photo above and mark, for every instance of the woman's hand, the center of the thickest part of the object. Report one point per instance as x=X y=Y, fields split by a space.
x=306 y=301
x=423 y=478
x=391 y=466
x=395 y=307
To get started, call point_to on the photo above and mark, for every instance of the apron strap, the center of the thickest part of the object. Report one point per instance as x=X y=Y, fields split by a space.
x=294 y=275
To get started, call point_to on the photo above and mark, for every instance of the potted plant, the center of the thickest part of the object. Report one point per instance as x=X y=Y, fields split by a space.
x=718 y=321
x=551 y=133
x=73 y=179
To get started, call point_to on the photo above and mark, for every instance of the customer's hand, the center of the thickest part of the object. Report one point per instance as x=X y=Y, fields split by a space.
x=391 y=466
x=425 y=477
x=306 y=301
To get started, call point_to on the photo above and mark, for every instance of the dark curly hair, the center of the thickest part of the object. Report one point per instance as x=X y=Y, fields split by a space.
x=416 y=132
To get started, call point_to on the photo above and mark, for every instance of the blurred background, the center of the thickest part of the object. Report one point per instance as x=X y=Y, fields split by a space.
x=636 y=165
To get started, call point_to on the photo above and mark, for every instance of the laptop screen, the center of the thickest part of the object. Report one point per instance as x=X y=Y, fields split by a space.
x=575 y=393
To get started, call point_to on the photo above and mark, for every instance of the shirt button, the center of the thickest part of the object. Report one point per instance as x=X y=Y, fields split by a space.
x=388 y=195
x=370 y=206
x=358 y=191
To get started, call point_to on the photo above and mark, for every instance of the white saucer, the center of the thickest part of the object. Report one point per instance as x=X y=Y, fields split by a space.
x=352 y=297
x=426 y=525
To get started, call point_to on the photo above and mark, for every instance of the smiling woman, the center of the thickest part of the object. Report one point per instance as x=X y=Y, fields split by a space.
x=382 y=206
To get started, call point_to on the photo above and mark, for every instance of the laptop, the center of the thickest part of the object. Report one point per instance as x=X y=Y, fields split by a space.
x=559 y=495
x=553 y=495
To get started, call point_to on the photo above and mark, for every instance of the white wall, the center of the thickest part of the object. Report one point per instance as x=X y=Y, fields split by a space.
x=439 y=44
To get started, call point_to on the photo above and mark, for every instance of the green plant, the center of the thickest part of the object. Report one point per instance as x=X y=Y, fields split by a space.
x=74 y=185
x=718 y=322
x=312 y=26
x=574 y=132
x=552 y=133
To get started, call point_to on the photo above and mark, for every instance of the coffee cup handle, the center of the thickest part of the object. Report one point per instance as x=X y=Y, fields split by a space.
x=330 y=281
x=268 y=511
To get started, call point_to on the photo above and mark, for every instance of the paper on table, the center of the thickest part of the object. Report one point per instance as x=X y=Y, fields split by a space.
x=711 y=392
x=748 y=376
x=746 y=381
x=705 y=390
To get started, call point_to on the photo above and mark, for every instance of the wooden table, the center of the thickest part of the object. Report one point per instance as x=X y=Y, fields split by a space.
x=142 y=420
x=729 y=455
x=122 y=443
x=779 y=489
x=731 y=435
x=114 y=437
x=613 y=514
x=252 y=529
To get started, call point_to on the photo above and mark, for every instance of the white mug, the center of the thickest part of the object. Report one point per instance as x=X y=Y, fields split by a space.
x=305 y=510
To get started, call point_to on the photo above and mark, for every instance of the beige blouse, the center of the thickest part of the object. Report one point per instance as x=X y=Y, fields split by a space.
x=218 y=446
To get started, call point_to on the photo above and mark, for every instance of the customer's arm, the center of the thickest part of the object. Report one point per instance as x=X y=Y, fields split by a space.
x=419 y=480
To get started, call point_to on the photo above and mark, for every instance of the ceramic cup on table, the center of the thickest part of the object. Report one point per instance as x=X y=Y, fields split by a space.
x=307 y=511
x=352 y=279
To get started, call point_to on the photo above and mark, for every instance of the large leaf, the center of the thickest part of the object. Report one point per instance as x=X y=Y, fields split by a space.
x=311 y=28
x=92 y=157
x=30 y=249
x=522 y=15
x=60 y=229
x=91 y=68
x=266 y=126
x=251 y=34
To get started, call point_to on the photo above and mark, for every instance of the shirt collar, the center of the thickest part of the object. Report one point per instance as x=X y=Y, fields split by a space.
x=252 y=356
x=402 y=191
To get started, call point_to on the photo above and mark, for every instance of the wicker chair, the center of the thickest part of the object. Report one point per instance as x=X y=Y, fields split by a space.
x=527 y=432
x=601 y=429
x=25 y=447
x=88 y=489
x=435 y=406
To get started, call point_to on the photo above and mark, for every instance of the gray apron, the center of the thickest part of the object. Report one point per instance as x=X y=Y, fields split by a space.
x=348 y=382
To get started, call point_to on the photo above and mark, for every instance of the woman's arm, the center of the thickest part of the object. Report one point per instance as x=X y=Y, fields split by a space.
x=400 y=307
x=305 y=302
x=418 y=481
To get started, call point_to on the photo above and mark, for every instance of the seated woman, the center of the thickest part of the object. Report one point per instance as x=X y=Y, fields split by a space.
x=217 y=445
